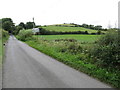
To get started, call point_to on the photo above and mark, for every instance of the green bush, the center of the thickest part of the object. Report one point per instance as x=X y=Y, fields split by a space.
x=5 y=35
x=25 y=35
x=107 y=49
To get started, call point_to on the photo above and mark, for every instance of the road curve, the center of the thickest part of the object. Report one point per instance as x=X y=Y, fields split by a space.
x=25 y=67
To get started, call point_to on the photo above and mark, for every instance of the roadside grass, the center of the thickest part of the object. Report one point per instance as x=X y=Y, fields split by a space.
x=68 y=29
x=4 y=39
x=79 y=61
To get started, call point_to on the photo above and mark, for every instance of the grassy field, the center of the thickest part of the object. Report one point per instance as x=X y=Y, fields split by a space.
x=80 y=38
x=68 y=25
x=68 y=29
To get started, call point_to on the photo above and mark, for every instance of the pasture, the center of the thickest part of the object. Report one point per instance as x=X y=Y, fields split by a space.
x=68 y=29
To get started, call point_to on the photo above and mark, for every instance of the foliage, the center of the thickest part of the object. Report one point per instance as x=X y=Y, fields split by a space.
x=30 y=25
x=25 y=35
x=22 y=25
x=5 y=35
x=16 y=30
x=47 y=32
x=3 y=40
x=98 y=27
x=107 y=49
x=7 y=24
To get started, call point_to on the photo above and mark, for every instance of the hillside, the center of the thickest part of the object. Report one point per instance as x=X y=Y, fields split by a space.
x=68 y=29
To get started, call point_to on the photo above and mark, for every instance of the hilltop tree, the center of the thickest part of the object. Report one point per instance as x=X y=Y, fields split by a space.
x=85 y=25
x=98 y=27
x=91 y=26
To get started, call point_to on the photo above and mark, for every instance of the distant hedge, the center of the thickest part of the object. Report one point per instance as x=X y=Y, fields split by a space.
x=47 y=32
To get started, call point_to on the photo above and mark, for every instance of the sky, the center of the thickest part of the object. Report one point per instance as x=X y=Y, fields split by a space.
x=47 y=12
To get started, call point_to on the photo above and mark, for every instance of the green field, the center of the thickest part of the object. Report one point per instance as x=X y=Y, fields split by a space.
x=68 y=29
x=78 y=37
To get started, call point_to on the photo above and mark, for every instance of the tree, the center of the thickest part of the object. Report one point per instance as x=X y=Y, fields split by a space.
x=85 y=25
x=30 y=25
x=22 y=25
x=91 y=26
x=17 y=29
x=7 y=24
x=98 y=32
x=98 y=27
x=6 y=19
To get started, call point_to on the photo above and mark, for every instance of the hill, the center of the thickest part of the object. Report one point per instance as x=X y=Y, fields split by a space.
x=68 y=28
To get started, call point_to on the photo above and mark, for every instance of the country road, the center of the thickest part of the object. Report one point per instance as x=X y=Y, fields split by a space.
x=25 y=67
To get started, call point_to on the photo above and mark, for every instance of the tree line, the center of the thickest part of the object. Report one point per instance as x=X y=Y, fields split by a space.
x=9 y=25
x=47 y=32
x=97 y=27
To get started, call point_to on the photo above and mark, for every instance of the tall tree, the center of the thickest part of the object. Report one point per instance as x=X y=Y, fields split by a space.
x=7 y=24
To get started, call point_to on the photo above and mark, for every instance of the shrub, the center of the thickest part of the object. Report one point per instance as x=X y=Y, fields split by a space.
x=4 y=33
x=25 y=35
x=107 y=49
x=5 y=36
x=70 y=40
x=98 y=32
x=69 y=46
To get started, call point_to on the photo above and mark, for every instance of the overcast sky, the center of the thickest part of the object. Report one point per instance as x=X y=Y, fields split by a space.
x=46 y=12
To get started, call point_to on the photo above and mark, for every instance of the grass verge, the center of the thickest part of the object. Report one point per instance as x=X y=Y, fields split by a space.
x=4 y=39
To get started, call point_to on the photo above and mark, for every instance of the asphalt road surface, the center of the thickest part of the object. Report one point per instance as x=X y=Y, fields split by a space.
x=25 y=67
